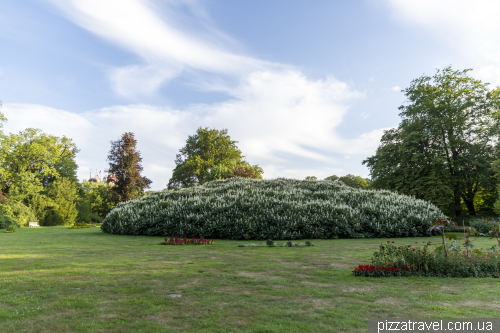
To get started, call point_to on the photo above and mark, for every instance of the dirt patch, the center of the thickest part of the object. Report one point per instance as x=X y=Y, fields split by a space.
x=259 y=276
x=318 y=284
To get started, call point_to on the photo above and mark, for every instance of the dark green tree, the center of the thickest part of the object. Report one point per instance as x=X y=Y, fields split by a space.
x=125 y=163
x=444 y=146
x=210 y=154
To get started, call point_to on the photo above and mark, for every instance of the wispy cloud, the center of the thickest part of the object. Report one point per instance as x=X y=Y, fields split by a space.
x=166 y=48
x=396 y=88
x=284 y=121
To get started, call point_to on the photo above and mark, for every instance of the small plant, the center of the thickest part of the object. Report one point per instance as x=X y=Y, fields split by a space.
x=269 y=242
x=12 y=227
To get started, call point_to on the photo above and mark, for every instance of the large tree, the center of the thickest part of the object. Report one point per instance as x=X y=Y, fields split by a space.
x=444 y=146
x=210 y=154
x=31 y=160
x=125 y=163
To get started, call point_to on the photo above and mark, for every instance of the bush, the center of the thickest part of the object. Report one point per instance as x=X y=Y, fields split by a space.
x=6 y=222
x=52 y=217
x=280 y=209
x=84 y=211
x=94 y=217
x=408 y=260
x=18 y=212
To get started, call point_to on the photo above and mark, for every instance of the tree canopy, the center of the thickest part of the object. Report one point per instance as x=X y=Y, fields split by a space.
x=208 y=155
x=352 y=181
x=31 y=160
x=444 y=146
x=125 y=163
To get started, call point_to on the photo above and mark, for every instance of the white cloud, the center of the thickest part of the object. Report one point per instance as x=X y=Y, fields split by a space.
x=470 y=27
x=284 y=121
x=166 y=49
x=396 y=88
x=280 y=120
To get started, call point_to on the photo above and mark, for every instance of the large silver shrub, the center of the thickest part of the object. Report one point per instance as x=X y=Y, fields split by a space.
x=278 y=209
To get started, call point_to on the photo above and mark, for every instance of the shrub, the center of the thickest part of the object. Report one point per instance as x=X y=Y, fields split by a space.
x=409 y=260
x=278 y=209
x=84 y=211
x=18 y=212
x=95 y=218
x=52 y=217
x=6 y=222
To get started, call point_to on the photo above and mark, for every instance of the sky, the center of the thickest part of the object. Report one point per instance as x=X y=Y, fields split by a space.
x=306 y=88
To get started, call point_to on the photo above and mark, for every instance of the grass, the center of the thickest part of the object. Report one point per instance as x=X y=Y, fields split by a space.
x=57 y=279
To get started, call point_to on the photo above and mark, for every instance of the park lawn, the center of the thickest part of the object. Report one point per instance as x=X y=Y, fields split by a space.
x=56 y=279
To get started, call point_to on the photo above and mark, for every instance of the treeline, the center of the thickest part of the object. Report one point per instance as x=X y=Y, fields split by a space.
x=446 y=150
x=38 y=181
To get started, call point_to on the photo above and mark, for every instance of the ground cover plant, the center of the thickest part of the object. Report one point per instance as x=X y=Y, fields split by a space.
x=54 y=279
x=280 y=209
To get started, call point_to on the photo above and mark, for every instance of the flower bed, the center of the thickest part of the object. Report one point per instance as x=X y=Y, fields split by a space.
x=185 y=241
x=78 y=227
x=10 y=230
x=448 y=259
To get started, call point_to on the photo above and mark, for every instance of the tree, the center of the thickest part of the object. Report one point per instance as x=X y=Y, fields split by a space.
x=31 y=160
x=100 y=197
x=125 y=164
x=64 y=194
x=311 y=178
x=209 y=154
x=355 y=181
x=444 y=146
x=332 y=178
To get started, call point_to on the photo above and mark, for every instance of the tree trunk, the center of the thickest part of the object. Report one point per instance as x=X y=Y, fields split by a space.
x=470 y=206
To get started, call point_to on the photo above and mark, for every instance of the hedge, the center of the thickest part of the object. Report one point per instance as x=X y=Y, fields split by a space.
x=279 y=209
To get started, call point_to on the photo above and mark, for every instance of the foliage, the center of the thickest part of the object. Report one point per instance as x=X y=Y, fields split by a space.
x=31 y=160
x=95 y=218
x=84 y=211
x=242 y=170
x=63 y=193
x=482 y=225
x=18 y=212
x=352 y=181
x=279 y=209
x=52 y=217
x=125 y=163
x=99 y=196
x=444 y=146
x=6 y=222
x=208 y=155
x=311 y=178
x=408 y=260
x=40 y=204
x=332 y=178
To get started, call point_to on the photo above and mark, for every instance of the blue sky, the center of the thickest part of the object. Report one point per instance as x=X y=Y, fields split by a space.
x=305 y=87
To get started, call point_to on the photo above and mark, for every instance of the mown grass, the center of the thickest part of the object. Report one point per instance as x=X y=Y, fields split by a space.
x=56 y=279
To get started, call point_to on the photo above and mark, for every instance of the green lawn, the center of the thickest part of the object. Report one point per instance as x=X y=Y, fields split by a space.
x=56 y=279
